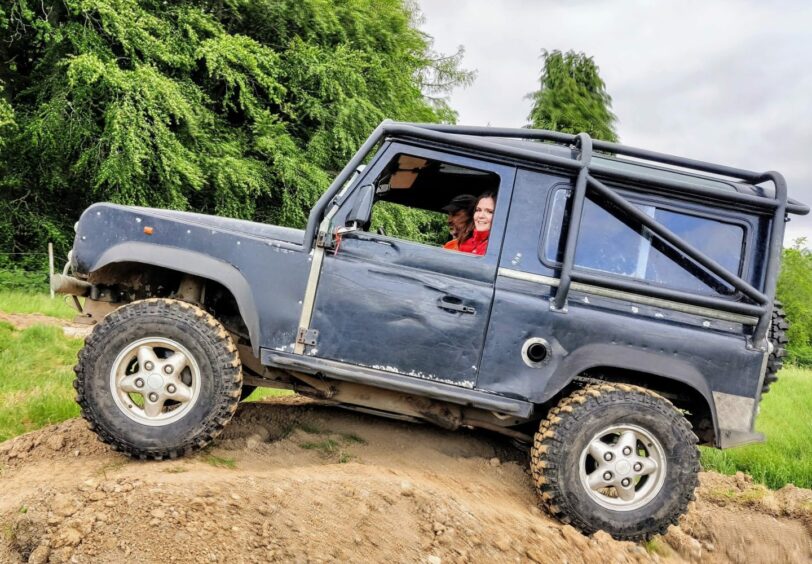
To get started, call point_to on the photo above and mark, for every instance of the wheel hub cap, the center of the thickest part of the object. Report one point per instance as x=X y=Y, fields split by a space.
x=623 y=467
x=155 y=381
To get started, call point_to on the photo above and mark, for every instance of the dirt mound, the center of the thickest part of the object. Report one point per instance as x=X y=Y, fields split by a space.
x=291 y=480
x=25 y=320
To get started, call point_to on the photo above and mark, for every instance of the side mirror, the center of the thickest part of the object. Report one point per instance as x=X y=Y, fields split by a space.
x=362 y=205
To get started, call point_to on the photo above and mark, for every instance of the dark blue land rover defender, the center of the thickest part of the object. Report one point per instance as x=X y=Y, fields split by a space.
x=622 y=313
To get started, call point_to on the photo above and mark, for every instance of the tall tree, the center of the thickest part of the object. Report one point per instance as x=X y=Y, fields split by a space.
x=241 y=108
x=572 y=97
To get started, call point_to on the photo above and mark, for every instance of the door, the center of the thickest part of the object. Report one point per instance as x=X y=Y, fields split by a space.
x=405 y=306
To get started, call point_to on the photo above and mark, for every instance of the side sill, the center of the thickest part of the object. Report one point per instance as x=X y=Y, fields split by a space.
x=397 y=382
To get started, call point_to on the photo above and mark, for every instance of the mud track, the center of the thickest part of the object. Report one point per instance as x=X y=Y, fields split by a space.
x=291 y=480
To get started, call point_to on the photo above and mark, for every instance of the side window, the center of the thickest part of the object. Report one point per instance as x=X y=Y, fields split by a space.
x=428 y=201
x=609 y=243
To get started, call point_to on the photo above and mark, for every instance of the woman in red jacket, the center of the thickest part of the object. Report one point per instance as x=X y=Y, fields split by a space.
x=483 y=217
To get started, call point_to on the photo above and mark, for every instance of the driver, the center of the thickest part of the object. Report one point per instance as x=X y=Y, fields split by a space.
x=460 y=212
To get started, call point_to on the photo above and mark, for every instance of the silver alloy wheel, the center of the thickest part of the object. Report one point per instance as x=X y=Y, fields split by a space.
x=155 y=381
x=622 y=467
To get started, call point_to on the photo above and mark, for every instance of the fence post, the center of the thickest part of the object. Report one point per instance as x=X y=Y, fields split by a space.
x=50 y=266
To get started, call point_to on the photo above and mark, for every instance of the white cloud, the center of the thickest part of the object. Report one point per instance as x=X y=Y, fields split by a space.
x=725 y=81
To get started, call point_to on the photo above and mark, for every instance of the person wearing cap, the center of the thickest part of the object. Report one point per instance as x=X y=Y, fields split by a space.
x=460 y=220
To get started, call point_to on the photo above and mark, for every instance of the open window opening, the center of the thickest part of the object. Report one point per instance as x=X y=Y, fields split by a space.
x=432 y=202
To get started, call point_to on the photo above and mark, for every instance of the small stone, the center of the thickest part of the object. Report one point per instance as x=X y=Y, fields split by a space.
x=235 y=496
x=69 y=537
x=503 y=543
x=432 y=559
x=494 y=461
x=602 y=537
x=40 y=554
x=64 y=505
x=406 y=488
x=55 y=442
x=97 y=496
x=438 y=528
x=158 y=513
x=154 y=522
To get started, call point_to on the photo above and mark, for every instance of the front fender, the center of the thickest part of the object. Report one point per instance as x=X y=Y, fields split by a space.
x=196 y=264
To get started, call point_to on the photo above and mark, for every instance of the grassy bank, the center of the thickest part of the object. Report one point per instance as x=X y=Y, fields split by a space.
x=26 y=302
x=785 y=420
x=35 y=378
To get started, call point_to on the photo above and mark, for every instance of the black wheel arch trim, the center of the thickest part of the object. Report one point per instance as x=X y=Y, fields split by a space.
x=196 y=264
x=601 y=356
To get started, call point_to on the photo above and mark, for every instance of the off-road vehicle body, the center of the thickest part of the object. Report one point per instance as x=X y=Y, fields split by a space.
x=623 y=311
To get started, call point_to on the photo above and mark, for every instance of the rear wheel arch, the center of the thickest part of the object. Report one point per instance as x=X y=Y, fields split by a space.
x=694 y=400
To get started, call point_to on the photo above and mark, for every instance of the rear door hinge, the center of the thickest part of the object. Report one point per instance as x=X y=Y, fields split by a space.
x=307 y=336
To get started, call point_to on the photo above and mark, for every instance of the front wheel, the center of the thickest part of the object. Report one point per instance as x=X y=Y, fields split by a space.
x=158 y=378
x=616 y=457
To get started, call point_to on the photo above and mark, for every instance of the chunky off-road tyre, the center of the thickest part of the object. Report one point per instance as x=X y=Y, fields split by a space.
x=615 y=457
x=779 y=339
x=158 y=378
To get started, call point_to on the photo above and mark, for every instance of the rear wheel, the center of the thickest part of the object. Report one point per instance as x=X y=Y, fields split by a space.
x=615 y=457
x=779 y=326
x=158 y=378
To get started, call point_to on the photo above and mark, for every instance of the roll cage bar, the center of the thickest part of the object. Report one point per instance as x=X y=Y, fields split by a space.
x=582 y=169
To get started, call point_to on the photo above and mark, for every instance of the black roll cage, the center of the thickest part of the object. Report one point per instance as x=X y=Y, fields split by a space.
x=471 y=137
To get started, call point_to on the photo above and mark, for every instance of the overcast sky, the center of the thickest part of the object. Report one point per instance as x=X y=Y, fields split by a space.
x=724 y=81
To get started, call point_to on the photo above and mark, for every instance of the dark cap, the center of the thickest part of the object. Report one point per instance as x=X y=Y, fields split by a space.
x=462 y=202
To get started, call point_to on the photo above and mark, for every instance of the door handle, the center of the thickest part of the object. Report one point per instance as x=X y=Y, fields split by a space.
x=451 y=303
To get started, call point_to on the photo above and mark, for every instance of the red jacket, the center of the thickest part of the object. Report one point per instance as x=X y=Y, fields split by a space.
x=477 y=244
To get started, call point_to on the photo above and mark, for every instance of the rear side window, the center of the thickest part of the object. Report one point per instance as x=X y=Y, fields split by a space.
x=609 y=243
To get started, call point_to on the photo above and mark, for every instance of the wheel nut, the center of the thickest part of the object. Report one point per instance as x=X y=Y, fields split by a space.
x=607 y=476
x=168 y=369
x=171 y=388
x=139 y=383
x=627 y=450
x=148 y=365
x=625 y=482
x=608 y=457
x=153 y=397
x=638 y=467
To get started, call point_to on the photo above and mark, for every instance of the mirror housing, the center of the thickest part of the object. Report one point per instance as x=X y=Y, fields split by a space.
x=361 y=205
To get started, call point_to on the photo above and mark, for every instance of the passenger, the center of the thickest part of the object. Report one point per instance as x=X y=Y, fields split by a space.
x=483 y=218
x=460 y=212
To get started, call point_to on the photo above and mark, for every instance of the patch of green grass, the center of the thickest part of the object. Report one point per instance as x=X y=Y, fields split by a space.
x=260 y=393
x=656 y=546
x=219 y=462
x=36 y=378
x=353 y=438
x=176 y=470
x=326 y=446
x=345 y=457
x=24 y=302
x=786 y=456
x=310 y=428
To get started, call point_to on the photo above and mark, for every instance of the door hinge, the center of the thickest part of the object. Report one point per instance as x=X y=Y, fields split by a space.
x=307 y=336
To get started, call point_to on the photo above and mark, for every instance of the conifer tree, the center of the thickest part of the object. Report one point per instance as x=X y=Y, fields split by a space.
x=572 y=97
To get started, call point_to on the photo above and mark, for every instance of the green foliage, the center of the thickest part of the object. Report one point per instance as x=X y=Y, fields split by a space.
x=245 y=109
x=572 y=97
x=794 y=290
